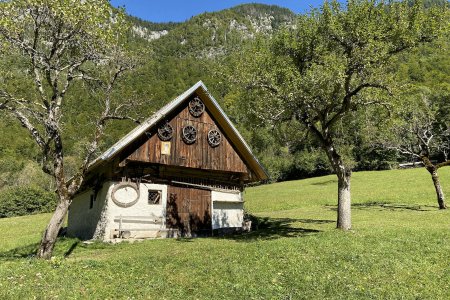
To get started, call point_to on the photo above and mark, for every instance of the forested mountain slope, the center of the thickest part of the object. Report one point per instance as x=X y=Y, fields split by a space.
x=172 y=57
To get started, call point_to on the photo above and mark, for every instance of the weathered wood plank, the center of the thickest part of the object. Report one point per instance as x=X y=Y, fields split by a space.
x=197 y=155
x=189 y=209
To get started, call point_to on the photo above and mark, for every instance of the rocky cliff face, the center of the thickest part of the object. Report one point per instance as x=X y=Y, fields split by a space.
x=148 y=35
x=210 y=35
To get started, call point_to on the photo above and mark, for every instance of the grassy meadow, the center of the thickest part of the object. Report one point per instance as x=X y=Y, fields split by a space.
x=399 y=248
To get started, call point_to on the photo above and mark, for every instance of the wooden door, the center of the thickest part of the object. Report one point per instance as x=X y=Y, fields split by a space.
x=189 y=210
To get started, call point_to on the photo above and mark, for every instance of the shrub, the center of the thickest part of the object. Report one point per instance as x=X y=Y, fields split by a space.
x=20 y=201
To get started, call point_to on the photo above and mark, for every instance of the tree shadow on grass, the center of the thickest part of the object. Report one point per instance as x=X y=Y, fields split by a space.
x=382 y=206
x=64 y=247
x=72 y=247
x=275 y=228
x=326 y=182
x=26 y=251
x=184 y=239
x=314 y=221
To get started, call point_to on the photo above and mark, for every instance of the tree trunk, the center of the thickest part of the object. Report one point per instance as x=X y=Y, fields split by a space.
x=51 y=232
x=439 y=192
x=344 y=220
x=433 y=170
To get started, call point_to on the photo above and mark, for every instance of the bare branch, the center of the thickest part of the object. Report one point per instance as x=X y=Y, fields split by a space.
x=25 y=122
x=73 y=67
x=404 y=150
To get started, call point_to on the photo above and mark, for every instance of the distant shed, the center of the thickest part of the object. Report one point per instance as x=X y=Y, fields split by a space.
x=180 y=173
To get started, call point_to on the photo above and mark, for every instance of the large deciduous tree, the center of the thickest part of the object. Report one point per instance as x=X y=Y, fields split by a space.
x=61 y=44
x=331 y=65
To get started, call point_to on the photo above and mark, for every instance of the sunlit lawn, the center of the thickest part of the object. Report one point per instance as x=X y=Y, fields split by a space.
x=399 y=248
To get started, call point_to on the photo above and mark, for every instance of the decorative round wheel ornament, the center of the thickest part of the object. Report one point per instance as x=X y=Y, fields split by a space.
x=165 y=132
x=189 y=134
x=125 y=194
x=196 y=107
x=214 y=138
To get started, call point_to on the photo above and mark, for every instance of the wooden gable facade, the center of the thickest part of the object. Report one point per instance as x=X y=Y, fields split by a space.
x=197 y=155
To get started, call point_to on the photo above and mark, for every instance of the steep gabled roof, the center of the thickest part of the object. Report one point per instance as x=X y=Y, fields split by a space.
x=217 y=113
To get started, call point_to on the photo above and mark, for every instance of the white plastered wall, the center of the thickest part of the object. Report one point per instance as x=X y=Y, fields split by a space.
x=141 y=208
x=99 y=221
x=83 y=220
x=228 y=210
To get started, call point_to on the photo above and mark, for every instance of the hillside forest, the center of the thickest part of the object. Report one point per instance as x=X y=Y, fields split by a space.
x=171 y=57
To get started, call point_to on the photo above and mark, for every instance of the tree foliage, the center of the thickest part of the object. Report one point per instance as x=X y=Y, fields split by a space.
x=336 y=62
x=20 y=201
x=419 y=127
x=61 y=44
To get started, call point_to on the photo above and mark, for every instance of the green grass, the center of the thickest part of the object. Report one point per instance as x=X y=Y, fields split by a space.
x=399 y=248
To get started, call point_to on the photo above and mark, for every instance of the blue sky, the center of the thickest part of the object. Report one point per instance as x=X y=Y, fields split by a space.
x=181 y=10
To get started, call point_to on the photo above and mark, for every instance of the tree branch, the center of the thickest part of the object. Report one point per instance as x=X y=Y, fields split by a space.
x=347 y=104
x=25 y=122
x=443 y=164
x=404 y=150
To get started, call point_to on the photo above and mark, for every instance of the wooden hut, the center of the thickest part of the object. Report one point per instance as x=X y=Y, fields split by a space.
x=180 y=173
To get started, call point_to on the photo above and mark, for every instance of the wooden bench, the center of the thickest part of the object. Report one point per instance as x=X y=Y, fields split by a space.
x=125 y=231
